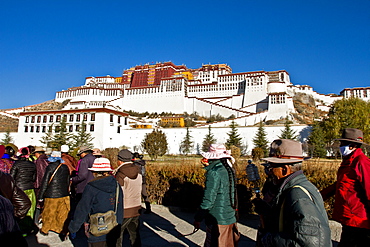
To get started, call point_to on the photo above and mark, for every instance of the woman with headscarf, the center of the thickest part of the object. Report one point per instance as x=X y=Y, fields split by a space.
x=54 y=191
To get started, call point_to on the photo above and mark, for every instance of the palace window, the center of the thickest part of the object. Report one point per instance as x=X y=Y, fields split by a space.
x=37 y=129
x=25 y=128
x=92 y=128
x=50 y=128
x=44 y=119
x=111 y=118
x=118 y=129
x=119 y=119
x=92 y=117
x=31 y=128
x=43 y=129
x=77 y=128
x=51 y=119
x=71 y=118
x=70 y=128
x=59 y=117
x=32 y=119
x=38 y=119
x=78 y=117
x=85 y=117
x=27 y=119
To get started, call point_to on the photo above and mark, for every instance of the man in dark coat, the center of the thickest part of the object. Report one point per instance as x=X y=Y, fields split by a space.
x=83 y=174
x=296 y=215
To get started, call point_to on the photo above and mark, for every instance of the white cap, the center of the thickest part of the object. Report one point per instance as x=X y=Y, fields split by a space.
x=64 y=149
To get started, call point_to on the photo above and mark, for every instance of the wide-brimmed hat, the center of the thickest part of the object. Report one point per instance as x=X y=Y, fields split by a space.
x=83 y=149
x=125 y=155
x=101 y=165
x=285 y=151
x=352 y=135
x=96 y=151
x=39 y=149
x=216 y=151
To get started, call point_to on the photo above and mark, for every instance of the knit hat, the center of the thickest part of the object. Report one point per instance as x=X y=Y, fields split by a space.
x=285 y=151
x=217 y=151
x=125 y=155
x=64 y=149
x=101 y=165
x=352 y=135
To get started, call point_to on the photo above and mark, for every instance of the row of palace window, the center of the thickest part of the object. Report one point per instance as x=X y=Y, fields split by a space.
x=70 y=118
x=58 y=118
x=277 y=99
x=43 y=129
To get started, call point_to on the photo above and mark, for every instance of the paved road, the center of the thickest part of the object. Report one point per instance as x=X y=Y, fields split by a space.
x=162 y=228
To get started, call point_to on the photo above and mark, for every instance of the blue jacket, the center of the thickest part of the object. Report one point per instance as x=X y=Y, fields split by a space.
x=98 y=197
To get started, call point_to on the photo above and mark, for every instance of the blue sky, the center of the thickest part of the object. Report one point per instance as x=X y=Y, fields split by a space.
x=48 y=46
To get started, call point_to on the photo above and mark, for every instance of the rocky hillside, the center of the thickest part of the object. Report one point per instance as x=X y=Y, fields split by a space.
x=305 y=106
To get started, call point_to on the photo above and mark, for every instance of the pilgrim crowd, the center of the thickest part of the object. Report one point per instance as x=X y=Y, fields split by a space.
x=53 y=192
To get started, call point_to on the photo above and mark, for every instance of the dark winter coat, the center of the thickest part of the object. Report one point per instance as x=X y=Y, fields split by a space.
x=302 y=221
x=18 y=198
x=24 y=174
x=99 y=196
x=84 y=175
x=59 y=185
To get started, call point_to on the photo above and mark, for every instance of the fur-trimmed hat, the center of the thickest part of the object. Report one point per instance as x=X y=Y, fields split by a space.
x=285 y=151
x=83 y=149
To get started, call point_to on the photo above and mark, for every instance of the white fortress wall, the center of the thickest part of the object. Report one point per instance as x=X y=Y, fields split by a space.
x=133 y=138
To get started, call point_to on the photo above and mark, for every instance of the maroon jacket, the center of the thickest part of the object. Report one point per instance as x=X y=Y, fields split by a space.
x=352 y=197
x=41 y=164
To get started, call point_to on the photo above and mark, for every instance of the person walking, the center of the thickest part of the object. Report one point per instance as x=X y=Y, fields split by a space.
x=83 y=174
x=23 y=172
x=219 y=203
x=99 y=196
x=129 y=177
x=140 y=162
x=352 y=191
x=296 y=215
x=54 y=191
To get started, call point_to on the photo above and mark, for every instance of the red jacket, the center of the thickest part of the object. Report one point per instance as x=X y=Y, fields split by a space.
x=352 y=197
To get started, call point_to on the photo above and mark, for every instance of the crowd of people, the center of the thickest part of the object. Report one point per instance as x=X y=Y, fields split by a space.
x=42 y=192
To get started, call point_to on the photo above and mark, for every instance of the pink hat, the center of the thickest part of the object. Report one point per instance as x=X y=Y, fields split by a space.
x=216 y=151
x=101 y=165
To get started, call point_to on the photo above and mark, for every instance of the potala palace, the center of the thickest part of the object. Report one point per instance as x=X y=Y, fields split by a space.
x=102 y=103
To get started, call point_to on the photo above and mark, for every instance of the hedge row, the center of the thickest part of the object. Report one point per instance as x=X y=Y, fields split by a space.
x=176 y=181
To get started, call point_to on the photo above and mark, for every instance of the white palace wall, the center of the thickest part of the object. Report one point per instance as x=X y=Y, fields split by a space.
x=132 y=138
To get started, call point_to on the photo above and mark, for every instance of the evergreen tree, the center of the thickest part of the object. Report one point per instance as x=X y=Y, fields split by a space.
x=82 y=137
x=7 y=138
x=61 y=135
x=48 y=138
x=287 y=132
x=155 y=144
x=208 y=140
x=316 y=141
x=260 y=140
x=234 y=138
x=187 y=143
